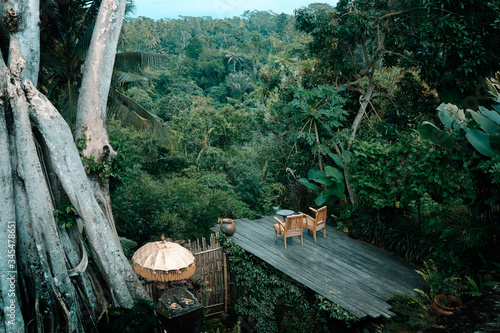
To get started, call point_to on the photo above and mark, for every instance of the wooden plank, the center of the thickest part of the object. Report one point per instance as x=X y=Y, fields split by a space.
x=330 y=256
x=318 y=286
x=364 y=275
x=206 y=254
x=397 y=269
x=226 y=282
x=359 y=247
x=359 y=274
x=320 y=276
x=209 y=250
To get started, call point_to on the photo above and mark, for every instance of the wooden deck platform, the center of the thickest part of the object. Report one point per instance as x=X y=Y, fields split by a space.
x=351 y=273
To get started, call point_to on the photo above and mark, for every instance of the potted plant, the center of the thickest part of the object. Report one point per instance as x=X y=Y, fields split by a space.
x=442 y=290
x=446 y=304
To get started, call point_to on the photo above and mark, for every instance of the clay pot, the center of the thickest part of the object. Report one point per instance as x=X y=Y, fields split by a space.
x=227 y=227
x=446 y=304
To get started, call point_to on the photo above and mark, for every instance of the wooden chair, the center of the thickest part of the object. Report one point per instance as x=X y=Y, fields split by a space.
x=292 y=227
x=317 y=223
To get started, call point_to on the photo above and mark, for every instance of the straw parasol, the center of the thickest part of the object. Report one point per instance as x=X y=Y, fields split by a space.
x=164 y=261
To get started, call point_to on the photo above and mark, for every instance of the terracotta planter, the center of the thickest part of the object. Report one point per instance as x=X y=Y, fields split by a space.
x=446 y=304
x=227 y=227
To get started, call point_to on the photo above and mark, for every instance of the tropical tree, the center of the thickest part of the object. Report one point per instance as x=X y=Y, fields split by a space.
x=66 y=30
x=313 y=116
x=127 y=72
x=46 y=283
x=238 y=83
x=234 y=57
x=348 y=43
x=453 y=44
x=352 y=41
x=481 y=130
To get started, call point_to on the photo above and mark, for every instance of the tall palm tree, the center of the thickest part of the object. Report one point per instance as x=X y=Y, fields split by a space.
x=234 y=57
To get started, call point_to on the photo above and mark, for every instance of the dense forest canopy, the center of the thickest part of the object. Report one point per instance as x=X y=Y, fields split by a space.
x=343 y=106
x=274 y=70
x=384 y=111
x=321 y=107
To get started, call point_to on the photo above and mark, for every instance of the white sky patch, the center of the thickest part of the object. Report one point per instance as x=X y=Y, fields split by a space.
x=158 y=9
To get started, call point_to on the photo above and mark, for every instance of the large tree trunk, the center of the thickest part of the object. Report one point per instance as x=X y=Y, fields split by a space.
x=46 y=284
x=92 y=101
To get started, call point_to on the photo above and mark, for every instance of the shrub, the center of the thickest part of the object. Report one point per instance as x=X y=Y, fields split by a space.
x=412 y=313
x=179 y=207
x=399 y=174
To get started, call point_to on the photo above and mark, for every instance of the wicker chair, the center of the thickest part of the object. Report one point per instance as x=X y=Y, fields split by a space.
x=292 y=227
x=317 y=223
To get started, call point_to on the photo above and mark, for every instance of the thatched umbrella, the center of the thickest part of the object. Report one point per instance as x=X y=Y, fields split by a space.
x=163 y=261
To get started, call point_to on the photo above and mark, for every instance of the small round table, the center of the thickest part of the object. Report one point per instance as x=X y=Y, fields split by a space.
x=284 y=213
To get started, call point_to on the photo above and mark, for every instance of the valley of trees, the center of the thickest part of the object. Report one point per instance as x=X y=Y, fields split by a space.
x=387 y=112
x=268 y=111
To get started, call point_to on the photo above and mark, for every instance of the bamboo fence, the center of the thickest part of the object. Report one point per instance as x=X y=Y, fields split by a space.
x=212 y=273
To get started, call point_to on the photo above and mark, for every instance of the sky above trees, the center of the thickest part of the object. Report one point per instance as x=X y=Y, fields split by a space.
x=157 y=9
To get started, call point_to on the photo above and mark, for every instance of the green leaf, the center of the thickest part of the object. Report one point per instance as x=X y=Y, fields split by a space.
x=491 y=87
x=450 y=115
x=320 y=200
x=430 y=132
x=311 y=174
x=472 y=283
x=308 y=184
x=337 y=190
x=490 y=284
x=495 y=142
x=346 y=154
x=337 y=160
x=492 y=115
x=323 y=179
x=447 y=232
x=334 y=173
x=480 y=141
x=491 y=200
x=475 y=293
x=486 y=124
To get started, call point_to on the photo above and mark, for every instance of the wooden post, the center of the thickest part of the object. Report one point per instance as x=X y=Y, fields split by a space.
x=226 y=282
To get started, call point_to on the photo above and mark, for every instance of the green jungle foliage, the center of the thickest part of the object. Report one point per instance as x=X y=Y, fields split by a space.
x=65 y=215
x=245 y=115
x=267 y=111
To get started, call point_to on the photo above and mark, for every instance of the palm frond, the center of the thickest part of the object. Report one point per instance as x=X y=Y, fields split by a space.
x=132 y=114
x=88 y=21
x=130 y=8
x=136 y=61
x=83 y=40
x=121 y=79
